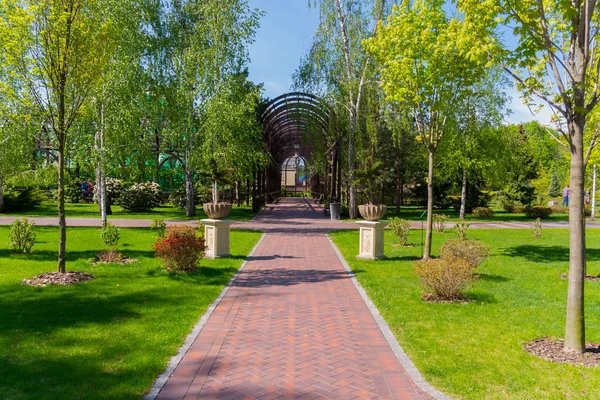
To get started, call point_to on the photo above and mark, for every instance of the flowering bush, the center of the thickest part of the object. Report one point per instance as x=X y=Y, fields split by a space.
x=181 y=248
x=141 y=197
x=114 y=189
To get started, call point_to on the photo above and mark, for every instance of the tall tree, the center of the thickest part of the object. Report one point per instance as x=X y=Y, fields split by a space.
x=425 y=64
x=209 y=42
x=59 y=49
x=556 y=60
x=338 y=63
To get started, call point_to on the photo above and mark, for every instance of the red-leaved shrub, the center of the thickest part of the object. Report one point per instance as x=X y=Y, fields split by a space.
x=181 y=248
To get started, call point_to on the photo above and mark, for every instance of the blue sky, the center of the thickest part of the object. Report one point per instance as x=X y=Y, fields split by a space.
x=285 y=35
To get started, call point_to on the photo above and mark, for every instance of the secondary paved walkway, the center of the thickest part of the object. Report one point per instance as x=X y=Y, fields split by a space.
x=293 y=325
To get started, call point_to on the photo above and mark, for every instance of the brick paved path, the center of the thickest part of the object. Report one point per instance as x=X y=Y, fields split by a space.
x=293 y=325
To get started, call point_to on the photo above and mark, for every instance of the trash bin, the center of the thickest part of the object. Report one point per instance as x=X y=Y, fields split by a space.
x=334 y=210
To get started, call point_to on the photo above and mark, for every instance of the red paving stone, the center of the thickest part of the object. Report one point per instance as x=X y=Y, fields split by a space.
x=292 y=325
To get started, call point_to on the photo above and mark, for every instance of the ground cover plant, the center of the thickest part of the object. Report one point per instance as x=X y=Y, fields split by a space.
x=106 y=338
x=166 y=212
x=474 y=350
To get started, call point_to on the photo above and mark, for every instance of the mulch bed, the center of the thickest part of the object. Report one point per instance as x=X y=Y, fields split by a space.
x=112 y=257
x=588 y=277
x=57 y=278
x=552 y=350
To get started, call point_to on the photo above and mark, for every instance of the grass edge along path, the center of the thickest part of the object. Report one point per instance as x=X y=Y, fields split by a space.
x=475 y=350
x=107 y=338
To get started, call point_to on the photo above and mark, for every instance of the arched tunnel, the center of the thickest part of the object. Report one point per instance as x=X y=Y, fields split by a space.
x=299 y=130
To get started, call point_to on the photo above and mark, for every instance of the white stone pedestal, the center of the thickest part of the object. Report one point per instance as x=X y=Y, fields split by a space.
x=371 y=240
x=216 y=236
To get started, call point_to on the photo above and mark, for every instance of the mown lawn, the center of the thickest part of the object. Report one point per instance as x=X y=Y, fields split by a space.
x=87 y=210
x=475 y=350
x=413 y=213
x=105 y=339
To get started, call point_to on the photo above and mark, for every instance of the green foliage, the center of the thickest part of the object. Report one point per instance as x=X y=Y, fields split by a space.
x=22 y=235
x=538 y=212
x=110 y=235
x=471 y=251
x=554 y=188
x=23 y=200
x=401 y=228
x=141 y=197
x=160 y=226
x=439 y=222
x=365 y=178
x=483 y=212
x=461 y=228
x=537 y=228
x=445 y=279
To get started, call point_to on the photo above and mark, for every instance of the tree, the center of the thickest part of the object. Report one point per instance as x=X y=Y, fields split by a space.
x=425 y=64
x=337 y=60
x=207 y=43
x=556 y=60
x=58 y=48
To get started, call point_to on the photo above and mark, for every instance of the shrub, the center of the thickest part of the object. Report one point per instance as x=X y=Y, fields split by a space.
x=22 y=200
x=445 y=279
x=110 y=235
x=439 y=222
x=560 y=210
x=72 y=192
x=471 y=251
x=537 y=228
x=22 y=235
x=181 y=248
x=483 y=212
x=141 y=197
x=160 y=226
x=201 y=228
x=400 y=227
x=587 y=211
x=461 y=229
x=538 y=212
x=518 y=209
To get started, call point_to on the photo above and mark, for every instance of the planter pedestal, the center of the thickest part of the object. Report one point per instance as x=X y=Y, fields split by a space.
x=216 y=236
x=371 y=240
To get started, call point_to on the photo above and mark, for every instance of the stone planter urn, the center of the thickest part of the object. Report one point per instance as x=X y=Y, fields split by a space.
x=217 y=210
x=372 y=212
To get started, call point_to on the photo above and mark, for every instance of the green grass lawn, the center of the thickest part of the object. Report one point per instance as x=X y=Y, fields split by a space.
x=475 y=350
x=86 y=210
x=108 y=338
x=413 y=213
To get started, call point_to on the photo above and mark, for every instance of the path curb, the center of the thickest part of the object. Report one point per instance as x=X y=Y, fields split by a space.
x=189 y=340
x=406 y=362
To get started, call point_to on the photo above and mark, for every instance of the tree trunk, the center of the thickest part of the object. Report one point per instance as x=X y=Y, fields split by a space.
x=463 y=195
x=398 y=182
x=575 y=327
x=1 y=194
x=237 y=193
x=429 y=232
x=62 y=223
x=215 y=192
x=190 y=204
x=593 y=216
x=247 y=192
x=100 y=178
